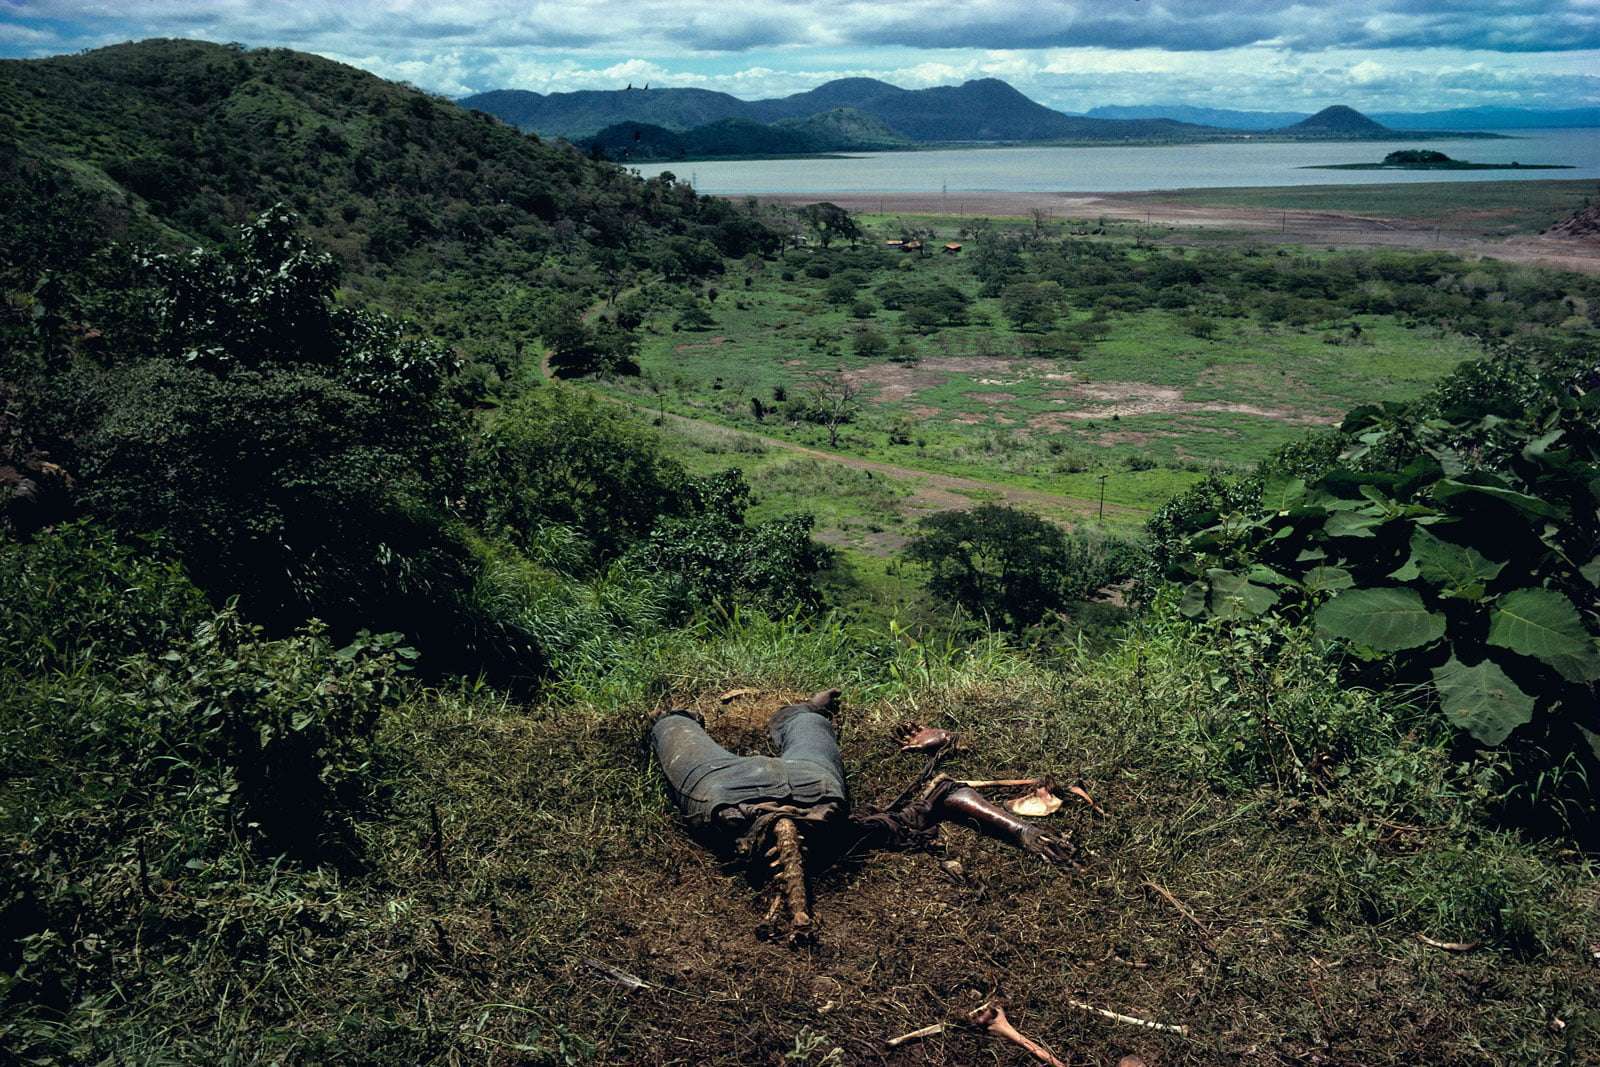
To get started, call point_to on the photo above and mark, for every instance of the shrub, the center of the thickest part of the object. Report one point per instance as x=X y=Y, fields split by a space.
x=713 y=557
x=1009 y=566
x=74 y=595
x=560 y=456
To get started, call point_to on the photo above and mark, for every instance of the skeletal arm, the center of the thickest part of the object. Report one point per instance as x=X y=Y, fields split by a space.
x=962 y=804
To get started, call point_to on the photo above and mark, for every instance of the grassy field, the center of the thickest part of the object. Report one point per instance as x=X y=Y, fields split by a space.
x=1151 y=405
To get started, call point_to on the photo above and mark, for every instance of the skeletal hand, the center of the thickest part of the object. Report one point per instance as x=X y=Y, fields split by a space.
x=915 y=737
x=1046 y=846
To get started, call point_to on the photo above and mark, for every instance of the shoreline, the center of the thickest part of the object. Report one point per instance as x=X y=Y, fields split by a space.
x=1180 y=210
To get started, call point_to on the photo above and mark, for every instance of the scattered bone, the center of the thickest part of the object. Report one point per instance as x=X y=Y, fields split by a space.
x=1083 y=794
x=789 y=867
x=1131 y=1020
x=1041 y=802
x=621 y=978
x=1205 y=934
x=734 y=694
x=1449 y=946
x=917 y=1035
x=991 y=1015
x=968 y=806
x=915 y=737
x=1130 y=1060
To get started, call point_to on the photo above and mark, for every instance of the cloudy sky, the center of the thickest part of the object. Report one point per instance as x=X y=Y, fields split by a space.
x=1070 y=54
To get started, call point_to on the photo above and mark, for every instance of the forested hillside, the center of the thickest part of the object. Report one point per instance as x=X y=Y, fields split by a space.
x=456 y=218
x=331 y=626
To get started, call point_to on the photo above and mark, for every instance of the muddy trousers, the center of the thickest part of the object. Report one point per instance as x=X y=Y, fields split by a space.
x=704 y=778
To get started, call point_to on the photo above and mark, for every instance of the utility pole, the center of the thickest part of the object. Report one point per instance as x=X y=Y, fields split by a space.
x=1103 y=478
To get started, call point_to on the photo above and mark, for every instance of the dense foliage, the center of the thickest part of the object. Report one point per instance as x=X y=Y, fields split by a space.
x=1011 y=567
x=445 y=215
x=1459 y=536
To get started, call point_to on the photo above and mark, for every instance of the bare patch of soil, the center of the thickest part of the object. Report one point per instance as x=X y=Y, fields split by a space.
x=1128 y=399
x=883 y=543
x=891 y=383
x=1127 y=437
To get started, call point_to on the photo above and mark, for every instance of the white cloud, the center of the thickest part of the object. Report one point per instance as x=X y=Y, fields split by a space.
x=1067 y=53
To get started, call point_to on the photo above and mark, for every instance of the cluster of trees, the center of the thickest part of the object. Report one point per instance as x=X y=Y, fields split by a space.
x=313 y=460
x=1039 y=280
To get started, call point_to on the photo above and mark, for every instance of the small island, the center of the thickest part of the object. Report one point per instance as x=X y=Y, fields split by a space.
x=1427 y=159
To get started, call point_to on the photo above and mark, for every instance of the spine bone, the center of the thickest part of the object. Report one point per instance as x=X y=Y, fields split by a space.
x=792 y=871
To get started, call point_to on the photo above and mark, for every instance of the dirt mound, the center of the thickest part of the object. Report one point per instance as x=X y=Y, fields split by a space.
x=1584 y=225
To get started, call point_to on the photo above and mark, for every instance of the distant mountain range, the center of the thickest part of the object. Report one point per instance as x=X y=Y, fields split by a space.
x=863 y=113
x=1467 y=118
x=984 y=110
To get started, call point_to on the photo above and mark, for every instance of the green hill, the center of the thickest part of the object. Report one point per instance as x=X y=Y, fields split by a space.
x=183 y=140
x=843 y=129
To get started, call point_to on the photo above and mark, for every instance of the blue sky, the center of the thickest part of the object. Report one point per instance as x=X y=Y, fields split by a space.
x=1071 y=54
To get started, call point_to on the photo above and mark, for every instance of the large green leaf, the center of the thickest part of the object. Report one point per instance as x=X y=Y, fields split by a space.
x=1233 y=596
x=1462 y=498
x=1386 y=618
x=1193 y=604
x=1352 y=524
x=1328 y=579
x=1544 y=624
x=1591 y=571
x=1280 y=493
x=1459 y=569
x=1482 y=700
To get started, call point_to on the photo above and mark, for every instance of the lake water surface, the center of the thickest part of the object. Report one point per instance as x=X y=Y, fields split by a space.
x=1122 y=168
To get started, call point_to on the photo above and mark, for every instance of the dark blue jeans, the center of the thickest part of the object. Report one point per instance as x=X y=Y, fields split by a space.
x=705 y=778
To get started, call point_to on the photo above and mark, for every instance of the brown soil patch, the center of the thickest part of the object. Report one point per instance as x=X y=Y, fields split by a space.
x=967 y=418
x=603 y=916
x=891 y=383
x=883 y=543
x=1129 y=437
x=1128 y=399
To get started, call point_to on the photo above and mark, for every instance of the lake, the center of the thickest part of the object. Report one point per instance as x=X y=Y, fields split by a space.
x=1124 y=168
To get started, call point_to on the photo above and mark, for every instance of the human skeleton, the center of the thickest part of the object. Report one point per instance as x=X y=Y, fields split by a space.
x=772 y=807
